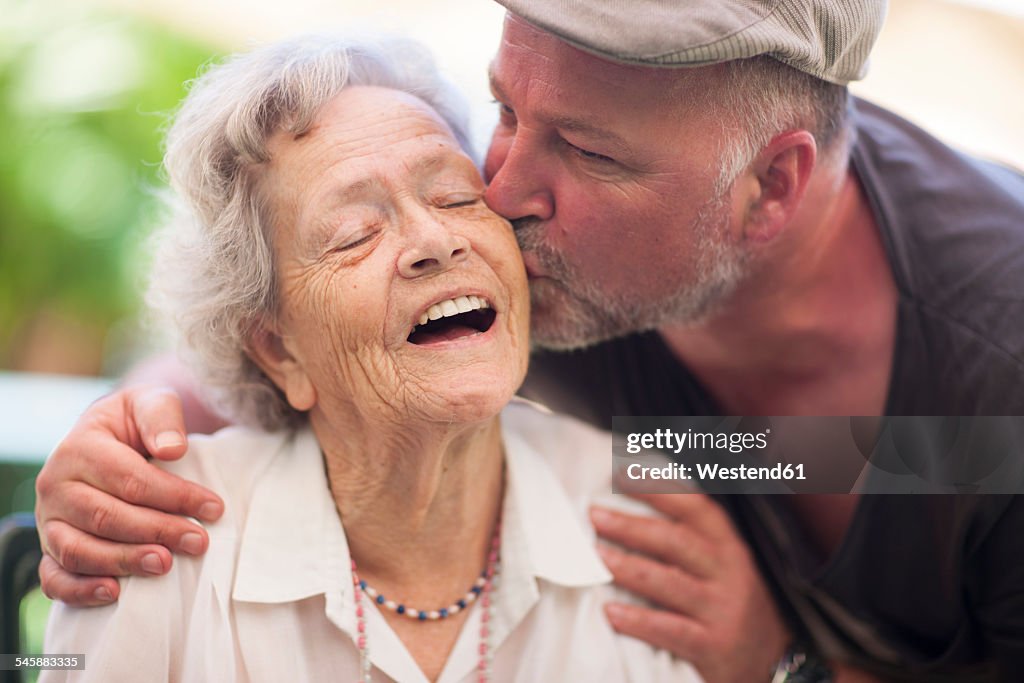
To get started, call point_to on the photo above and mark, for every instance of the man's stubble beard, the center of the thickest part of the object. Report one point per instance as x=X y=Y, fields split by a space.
x=570 y=311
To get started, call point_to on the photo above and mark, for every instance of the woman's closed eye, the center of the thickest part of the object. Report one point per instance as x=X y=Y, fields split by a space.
x=352 y=244
x=356 y=239
x=460 y=200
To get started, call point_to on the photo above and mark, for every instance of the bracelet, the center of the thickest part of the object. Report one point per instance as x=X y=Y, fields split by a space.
x=800 y=665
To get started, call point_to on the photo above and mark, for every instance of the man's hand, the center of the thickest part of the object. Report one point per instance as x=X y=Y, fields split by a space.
x=99 y=501
x=711 y=605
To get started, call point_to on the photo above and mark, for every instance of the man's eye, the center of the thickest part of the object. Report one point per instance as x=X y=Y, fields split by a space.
x=587 y=154
x=506 y=112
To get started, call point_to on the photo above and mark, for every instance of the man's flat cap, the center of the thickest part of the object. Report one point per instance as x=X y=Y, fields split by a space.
x=829 y=39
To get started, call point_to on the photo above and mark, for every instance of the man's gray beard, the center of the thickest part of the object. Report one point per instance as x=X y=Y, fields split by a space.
x=579 y=313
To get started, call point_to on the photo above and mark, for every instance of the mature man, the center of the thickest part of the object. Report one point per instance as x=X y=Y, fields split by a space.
x=715 y=229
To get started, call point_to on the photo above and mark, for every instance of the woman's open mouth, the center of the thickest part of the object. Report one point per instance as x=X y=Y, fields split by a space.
x=453 y=319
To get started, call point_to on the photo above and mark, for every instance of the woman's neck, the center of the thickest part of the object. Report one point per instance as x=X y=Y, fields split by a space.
x=419 y=505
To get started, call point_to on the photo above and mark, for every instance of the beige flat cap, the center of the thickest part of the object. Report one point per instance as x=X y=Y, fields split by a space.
x=827 y=39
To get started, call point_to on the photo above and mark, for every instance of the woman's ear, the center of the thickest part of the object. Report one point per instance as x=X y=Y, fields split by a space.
x=267 y=348
x=781 y=173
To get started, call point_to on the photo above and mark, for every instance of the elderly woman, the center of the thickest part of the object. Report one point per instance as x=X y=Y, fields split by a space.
x=337 y=276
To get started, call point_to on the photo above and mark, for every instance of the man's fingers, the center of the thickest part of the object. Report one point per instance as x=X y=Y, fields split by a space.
x=160 y=421
x=136 y=481
x=81 y=553
x=678 y=634
x=99 y=514
x=661 y=539
x=75 y=590
x=662 y=584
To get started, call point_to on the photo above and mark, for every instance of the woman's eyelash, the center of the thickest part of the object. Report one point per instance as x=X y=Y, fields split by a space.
x=357 y=243
x=460 y=203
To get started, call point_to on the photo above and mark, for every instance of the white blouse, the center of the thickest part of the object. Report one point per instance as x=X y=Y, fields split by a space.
x=272 y=598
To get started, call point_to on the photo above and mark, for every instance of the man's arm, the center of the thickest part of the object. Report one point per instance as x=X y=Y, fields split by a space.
x=104 y=511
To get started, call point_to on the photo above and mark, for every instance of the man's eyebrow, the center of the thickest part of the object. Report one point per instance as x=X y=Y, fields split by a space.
x=568 y=123
x=589 y=130
x=492 y=80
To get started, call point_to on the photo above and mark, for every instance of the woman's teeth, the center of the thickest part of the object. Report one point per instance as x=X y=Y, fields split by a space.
x=445 y=309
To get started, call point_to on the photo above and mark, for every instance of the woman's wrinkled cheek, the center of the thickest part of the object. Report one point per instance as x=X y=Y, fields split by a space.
x=331 y=332
x=353 y=368
x=414 y=392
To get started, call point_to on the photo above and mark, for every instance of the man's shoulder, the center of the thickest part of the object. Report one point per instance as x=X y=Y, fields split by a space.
x=908 y=174
x=953 y=228
x=907 y=171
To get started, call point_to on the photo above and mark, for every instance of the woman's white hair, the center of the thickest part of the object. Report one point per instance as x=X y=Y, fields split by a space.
x=214 y=272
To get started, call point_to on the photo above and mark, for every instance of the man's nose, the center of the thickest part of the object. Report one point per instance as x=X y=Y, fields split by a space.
x=432 y=247
x=518 y=180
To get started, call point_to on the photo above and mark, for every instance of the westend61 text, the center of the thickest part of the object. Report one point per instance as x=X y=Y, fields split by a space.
x=715 y=472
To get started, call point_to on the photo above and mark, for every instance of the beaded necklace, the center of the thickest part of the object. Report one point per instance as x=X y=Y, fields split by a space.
x=482 y=588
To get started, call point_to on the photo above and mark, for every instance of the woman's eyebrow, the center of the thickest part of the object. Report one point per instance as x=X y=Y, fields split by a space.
x=323 y=217
x=354 y=190
x=376 y=184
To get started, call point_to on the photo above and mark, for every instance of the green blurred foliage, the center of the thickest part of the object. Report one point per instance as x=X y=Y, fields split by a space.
x=35 y=609
x=83 y=100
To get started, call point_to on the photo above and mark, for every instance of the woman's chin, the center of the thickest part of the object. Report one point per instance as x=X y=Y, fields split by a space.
x=474 y=389
x=472 y=405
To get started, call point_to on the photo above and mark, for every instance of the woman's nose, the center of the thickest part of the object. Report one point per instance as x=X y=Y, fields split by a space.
x=432 y=248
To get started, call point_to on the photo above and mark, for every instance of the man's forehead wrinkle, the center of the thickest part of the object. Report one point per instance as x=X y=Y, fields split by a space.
x=551 y=48
x=545 y=69
x=500 y=81
x=550 y=112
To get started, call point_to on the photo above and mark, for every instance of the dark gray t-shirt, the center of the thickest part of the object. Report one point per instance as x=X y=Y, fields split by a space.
x=926 y=588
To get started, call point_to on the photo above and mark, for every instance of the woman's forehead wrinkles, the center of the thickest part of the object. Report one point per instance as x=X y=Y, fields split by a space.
x=380 y=171
x=376 y=182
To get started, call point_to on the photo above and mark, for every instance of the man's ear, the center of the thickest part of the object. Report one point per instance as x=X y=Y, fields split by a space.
x=782 y=172
x=268 y=350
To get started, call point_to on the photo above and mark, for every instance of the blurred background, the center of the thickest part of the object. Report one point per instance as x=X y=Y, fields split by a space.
x=86 y=86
